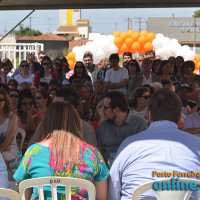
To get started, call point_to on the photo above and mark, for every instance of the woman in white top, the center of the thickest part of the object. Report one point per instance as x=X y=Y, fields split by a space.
x=24 y=75
x=8 y=129
x=139 y=100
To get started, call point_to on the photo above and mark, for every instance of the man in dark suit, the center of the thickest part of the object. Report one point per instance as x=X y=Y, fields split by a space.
x=143 y=77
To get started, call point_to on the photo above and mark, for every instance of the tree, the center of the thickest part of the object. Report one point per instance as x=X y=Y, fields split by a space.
x=27 y=31
x=196 y=13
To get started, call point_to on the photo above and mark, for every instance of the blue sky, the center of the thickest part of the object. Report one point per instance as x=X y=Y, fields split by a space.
x=102 y=20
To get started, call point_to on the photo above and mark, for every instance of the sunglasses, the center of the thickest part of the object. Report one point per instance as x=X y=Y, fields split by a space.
x=46 y=63
x=13 y=96
x=79 y=66
x=11 y=84
x=146 y=97
x=2 y=99
x=38 y=98
x=140 y=60
x=27 y=103
x=41 y=57
x=24 y=66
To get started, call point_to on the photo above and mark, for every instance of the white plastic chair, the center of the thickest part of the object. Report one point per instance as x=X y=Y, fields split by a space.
x=8 y=193
x=165 y=194
x=23 y=134
x=54 y=182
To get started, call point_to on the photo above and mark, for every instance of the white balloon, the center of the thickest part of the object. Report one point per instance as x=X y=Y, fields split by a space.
x=159 y=36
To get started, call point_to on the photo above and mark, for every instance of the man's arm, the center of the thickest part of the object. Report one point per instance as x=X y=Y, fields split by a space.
x=188 y=126
x=116 y=85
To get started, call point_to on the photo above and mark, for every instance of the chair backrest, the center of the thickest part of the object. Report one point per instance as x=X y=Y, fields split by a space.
x=23 y=134
x=54 y=182
x=165 y=194
x=8 y=193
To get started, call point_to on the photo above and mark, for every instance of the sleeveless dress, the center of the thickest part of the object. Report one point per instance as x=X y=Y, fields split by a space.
x=12 y=154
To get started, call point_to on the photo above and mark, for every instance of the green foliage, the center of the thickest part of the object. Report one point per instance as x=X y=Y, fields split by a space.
x=196 y=14
x=65 y=51
x=27 y=31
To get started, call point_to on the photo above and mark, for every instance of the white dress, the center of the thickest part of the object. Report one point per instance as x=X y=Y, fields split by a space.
x=12 y=154
x=20 y=79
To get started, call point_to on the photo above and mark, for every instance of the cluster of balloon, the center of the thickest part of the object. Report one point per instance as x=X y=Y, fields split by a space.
x=71 y=59
x=196 y=60
x=133 y=41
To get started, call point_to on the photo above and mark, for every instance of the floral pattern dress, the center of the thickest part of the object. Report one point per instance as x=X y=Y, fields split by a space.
x=35 y=164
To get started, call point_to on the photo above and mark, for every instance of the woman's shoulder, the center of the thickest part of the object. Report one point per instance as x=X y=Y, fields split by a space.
x=13 y=116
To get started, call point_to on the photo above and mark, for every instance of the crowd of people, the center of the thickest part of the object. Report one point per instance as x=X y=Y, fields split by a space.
x=145 y=111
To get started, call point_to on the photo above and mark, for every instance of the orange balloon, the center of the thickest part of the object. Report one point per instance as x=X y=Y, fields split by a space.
x=71 y=56
x=124 y=48
x=150 y=37
x=119 y=52
x=117 y=33
x=198 y=65
x=130 y=33
x=148 y=46
x=118 y=42
x=129 y=42
x=123 y=36
x=143 y=33
x=135 y=36
x=71 y=64
x=142 y=40
x=136 y=47
x=197 y=58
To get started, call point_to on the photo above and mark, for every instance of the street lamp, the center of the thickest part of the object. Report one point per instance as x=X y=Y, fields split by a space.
x=194 y=43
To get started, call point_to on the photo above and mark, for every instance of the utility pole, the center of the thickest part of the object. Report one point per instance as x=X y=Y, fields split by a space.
x=115 y=26
x=30 y=22
x=129 y=20
x=49 y=25
x=194 y=43
x=139 y=23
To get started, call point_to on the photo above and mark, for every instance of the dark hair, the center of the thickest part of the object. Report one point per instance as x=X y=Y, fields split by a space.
x=45 y=94
x=165 y=105
x=36 y=66
x=4 y=86
x=77 y=80
x=13 y=90
x=42 y=52
x=150 y=88
x=84 y=73
x=13 y=81
x=150 y=52
x=175 y=67
x=69 y=95
x=138 y=92
x=154 y=65
x=24 y=94
x=118 y=99
x=60 y=72
x=162 y=64
x=136 y=64
x=114 y=56
x=23 y=61
x=64 y=60
x=87 y=55
x=189 y=62
x=44 y=84
x=127 y=54
x=55 y=82
x=42 y=68
x=7 y=60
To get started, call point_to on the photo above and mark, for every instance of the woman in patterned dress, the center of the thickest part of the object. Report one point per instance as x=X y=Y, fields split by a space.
x=63 y=153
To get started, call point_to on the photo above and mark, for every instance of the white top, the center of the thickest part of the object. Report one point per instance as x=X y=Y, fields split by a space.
x=20 y=79
x=3 y=132
x=147 y=81
x=142 y=113
x=117 y=77
x=46 y=79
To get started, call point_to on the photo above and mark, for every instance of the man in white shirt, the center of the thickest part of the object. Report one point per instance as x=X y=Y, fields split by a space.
x=117 y=77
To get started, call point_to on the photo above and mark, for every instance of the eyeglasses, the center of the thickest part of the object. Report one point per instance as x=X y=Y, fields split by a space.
x=140 y=60
x=11 y=84
x=132 y=64
x=46 y=63
x=27 y=103
x=41 y=57
x=38 y=98
x=2 y=99
x=146 y=97
x=24 y=66
x=56 y=63
x=106 y=107
x=13 y=96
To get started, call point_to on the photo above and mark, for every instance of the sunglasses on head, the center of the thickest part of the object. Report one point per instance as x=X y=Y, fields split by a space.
x=146 y=97
x=2 y=99
x=13 y=96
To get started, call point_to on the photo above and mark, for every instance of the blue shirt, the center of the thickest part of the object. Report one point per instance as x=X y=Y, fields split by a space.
x=162 y=147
